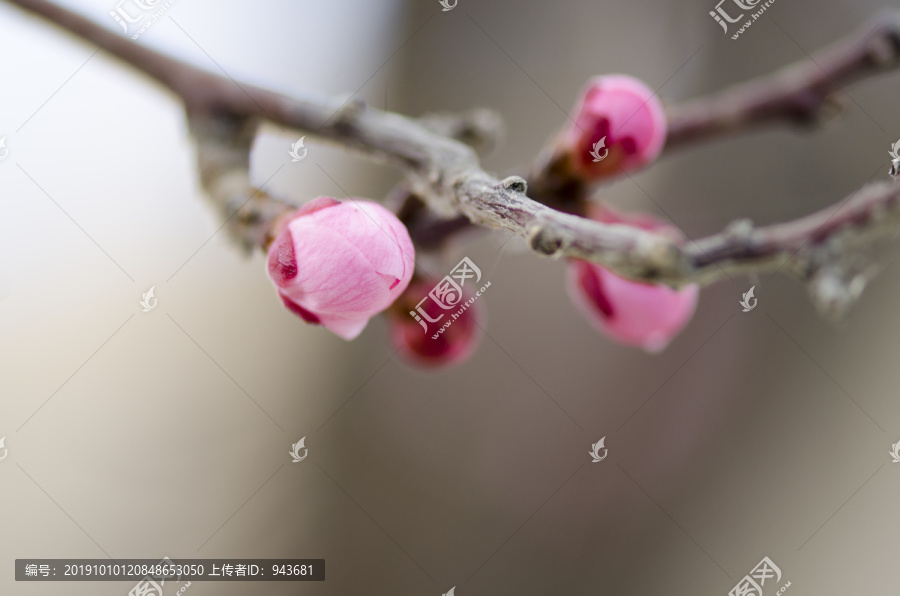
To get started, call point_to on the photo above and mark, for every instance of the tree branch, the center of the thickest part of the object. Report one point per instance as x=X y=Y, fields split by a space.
x=446 y=173
x=803 y=94
x=800 y=93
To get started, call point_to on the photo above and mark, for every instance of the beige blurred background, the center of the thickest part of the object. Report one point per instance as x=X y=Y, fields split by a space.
x=142 y=435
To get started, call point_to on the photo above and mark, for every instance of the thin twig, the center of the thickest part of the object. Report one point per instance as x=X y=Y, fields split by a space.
x=801 y=93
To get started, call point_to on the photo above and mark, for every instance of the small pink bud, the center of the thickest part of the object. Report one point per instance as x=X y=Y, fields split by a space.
x=620 y=126
x=441 y=337
x=631 y=312
x=338 y=264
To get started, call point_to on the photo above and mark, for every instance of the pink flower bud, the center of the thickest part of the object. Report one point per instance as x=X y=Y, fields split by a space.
x=620 y=126
x=440 y=337
x=338 y=264
x=631 y=312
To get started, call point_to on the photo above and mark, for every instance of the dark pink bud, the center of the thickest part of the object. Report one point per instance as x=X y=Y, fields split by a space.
x=438 y=337
x=619 y=126
x=630 y=312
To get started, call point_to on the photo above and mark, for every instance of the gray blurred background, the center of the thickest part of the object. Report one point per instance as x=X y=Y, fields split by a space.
x=167 y=433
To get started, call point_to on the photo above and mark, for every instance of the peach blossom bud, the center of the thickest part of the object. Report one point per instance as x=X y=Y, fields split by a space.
x=436 y=337
x=338 y=264
x=631 y=312
x=620 y=126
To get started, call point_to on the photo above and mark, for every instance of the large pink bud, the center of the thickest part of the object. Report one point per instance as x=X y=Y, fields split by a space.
x=620 y=126
x=338 y=264
x=631 y=312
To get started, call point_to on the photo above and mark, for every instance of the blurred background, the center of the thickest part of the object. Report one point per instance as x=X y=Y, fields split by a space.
x=144 y=435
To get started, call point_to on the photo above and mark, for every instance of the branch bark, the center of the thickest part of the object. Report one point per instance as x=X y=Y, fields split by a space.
x=446 y=173
x=799 y=94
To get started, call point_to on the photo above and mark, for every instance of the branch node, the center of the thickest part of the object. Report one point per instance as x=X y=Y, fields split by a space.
x=895 y=169
x=834 y=290
x=514 y=184
x=478 y=128
x=350 y=110
x=739 y=231
x=542 y=242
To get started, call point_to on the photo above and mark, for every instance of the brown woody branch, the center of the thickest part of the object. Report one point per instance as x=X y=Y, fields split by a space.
x=802 y=93
x=445 y=172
